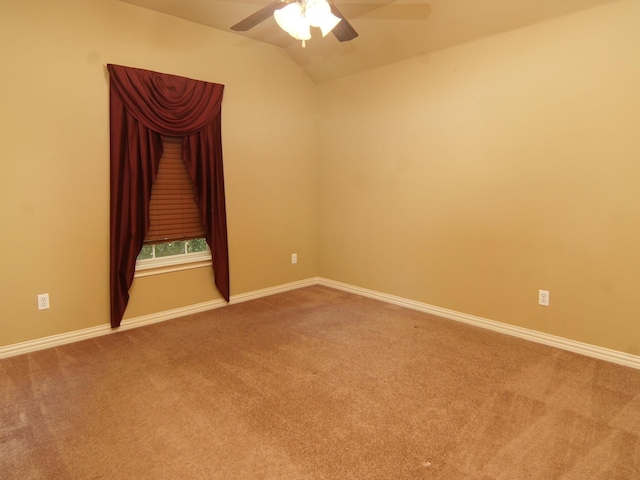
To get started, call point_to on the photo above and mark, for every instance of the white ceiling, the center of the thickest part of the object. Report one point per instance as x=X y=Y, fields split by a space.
x=389 y=30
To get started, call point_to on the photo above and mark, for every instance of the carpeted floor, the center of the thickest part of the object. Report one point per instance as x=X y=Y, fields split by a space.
x=316 y=384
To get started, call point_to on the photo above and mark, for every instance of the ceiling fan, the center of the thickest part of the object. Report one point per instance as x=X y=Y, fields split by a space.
x=296 y=16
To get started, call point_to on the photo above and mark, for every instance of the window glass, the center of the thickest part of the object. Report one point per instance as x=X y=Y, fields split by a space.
x=197 y=245
x=169 y=248
x=146 y=252
x=180 y=251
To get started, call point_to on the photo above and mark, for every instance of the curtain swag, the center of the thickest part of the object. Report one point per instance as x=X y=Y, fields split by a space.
x=145 y=105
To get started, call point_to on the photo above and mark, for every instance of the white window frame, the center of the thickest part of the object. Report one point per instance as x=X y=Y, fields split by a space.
x=172 y=263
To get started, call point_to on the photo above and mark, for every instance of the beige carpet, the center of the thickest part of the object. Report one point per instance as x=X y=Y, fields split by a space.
x=316 y=384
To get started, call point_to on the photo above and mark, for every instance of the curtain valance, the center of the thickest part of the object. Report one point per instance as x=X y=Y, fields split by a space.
x=167 y=104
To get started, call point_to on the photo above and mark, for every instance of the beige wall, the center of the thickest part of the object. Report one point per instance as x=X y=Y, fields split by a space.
x=54 y=189
x=470 y=178
x=467 y=179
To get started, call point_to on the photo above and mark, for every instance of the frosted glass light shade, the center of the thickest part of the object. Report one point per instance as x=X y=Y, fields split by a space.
x=296 y=18
x=315 y=11
x=292 y=21
x=318 y=14
x=328 y=23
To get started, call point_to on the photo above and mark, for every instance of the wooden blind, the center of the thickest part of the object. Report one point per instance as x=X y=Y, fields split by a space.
x=173 y=210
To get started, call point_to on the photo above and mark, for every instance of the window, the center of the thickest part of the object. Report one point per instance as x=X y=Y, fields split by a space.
x=175 y=240
x=172 y=256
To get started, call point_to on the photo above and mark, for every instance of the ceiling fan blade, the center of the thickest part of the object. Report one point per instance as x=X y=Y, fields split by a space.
x=344 y=32
x=259 y=16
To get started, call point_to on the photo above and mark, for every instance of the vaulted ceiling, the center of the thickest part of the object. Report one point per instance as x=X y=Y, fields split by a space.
x=389 y=30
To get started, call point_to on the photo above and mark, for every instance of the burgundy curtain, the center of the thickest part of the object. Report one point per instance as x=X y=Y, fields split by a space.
x=143 y=106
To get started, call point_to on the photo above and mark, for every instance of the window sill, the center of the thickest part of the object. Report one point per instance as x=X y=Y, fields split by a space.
x=145 y=268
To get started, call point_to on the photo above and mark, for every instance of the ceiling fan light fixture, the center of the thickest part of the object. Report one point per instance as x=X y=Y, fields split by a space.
x=315 y=10
x=328 y=23
x=291 y=19
x=296 y=18
x=318 y=13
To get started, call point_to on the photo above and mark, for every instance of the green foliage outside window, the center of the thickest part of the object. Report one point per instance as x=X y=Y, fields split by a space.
x=168 y=249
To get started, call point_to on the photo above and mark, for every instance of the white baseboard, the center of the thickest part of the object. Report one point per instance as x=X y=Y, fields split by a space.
x=593 y=351
x=129 y=323
x=586 y=349
x=265 y=292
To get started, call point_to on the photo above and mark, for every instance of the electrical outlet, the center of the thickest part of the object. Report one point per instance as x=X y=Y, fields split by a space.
x=43 y=301
x=543 y=297
x=294 y=258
